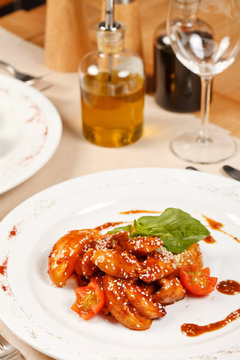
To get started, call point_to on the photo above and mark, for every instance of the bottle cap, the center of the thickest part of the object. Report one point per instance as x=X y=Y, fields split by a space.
x=110 y=33
x=110 y=40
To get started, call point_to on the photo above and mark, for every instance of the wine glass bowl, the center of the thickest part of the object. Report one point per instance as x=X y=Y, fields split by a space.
x=205 y=36
x=198 y=49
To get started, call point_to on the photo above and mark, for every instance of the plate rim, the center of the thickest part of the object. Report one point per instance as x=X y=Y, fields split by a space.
x=75 y=179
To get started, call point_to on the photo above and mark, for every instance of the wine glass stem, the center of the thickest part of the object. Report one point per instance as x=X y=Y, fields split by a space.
x=206 y=83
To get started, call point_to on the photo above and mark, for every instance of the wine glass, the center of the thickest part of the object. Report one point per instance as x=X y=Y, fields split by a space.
x=205 y=36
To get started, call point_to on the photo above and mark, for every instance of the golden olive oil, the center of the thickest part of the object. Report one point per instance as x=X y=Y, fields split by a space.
x=112 y=107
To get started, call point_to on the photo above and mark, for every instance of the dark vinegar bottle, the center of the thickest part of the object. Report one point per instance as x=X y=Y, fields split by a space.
x=175 y=87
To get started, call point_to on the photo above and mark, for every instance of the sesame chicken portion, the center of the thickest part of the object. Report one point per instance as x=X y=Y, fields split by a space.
x=171 y=290
x=114 y=263
x=64 y=254
x=89 y=269
x=119 y=306
x=138 y=276
x=157 y=266
x=138 y=246
x=191 y=256
x=143 y=302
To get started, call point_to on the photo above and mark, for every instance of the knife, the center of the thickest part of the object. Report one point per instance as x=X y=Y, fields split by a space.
x=231 y=171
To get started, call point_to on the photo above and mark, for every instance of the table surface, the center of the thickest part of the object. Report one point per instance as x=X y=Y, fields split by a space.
x=30 y=25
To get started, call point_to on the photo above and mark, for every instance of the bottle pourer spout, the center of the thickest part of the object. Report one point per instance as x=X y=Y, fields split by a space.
x=109 y=14
x=110 y=33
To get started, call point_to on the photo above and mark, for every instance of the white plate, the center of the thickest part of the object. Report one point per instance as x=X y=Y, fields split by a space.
x=39 y=312
x=30 y=131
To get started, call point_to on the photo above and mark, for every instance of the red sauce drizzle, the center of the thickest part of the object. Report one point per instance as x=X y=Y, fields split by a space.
x=45 y=132
x=3 y=267
x=218 y=226
x=4 y=288
x=209 y=240
x=13 y=232
x=107 y=225
x=213 y=224
x=196 y=330
x=140 y=211
x=228 y=287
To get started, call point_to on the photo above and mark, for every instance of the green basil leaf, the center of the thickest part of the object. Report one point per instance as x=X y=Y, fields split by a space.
x=148 y=228
x=176 y=228
x=120 y=228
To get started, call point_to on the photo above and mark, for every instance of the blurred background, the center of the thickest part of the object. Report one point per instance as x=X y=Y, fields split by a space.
x=8 y=6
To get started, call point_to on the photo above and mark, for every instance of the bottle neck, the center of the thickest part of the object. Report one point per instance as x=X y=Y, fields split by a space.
x=186 y=10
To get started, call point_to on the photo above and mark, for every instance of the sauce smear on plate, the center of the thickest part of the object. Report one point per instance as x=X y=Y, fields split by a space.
x=209 y=240
x=195 y=330
x=228 y=287
x=107 y=225
x=140 y=211
x=3 y=267
x=215 y=225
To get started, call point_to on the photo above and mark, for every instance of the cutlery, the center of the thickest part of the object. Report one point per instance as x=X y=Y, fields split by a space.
x=234 y=173
x=7 y=351
x=192 y=168
x=28 y=79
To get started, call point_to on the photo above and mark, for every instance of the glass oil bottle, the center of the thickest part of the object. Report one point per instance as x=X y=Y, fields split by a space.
x=112 y=85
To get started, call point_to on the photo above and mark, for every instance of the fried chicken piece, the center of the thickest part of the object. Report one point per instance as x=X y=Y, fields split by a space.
x=119 y=306
x=143 y=245
x=170 y=292
x=114 y=263
x=191 y=256
x=89 y=269
x=78 y=265
x=156 y=266
x=142 y=301
x=63 y=256
x=81 y=257
x=138 y=246
x=104 y=242
x=119 y=240
x=84 y=266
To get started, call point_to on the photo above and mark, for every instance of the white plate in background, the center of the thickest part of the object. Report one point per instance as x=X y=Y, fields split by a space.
x=30 y=131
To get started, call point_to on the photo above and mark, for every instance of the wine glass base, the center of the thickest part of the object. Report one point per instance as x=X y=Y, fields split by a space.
x=219 y=146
